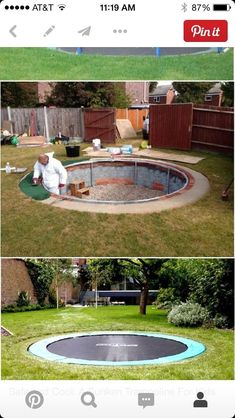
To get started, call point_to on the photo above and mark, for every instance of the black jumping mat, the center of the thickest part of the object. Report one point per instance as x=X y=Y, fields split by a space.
x=116 y=347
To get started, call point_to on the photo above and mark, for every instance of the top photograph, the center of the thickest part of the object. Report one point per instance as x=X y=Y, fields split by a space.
x=77 y=63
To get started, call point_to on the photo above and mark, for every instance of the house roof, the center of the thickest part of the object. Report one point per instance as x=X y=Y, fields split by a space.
x=161 y=90
x=216 y=89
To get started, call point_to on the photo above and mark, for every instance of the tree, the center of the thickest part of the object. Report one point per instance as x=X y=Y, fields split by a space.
x=174 y=275
x=152 y=86
x=62 y=273
x=147 y=270
x=191 y=91
x=228 y=89
x=83 y=277
x=19 y=94
x=45 y=273
x=92 y=94
x=41 y=274
x=212 y=286
x=142 y=273
x=68 y=94
x=207 y=282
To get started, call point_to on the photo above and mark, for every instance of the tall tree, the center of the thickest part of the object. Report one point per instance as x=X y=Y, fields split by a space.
x=191 y=91
x=19 y=94
x=145 y=273
x=47 y=273
x=62 y=273
x=142 y=273
x=152 y=86
x=88 y=94
x=228 y=89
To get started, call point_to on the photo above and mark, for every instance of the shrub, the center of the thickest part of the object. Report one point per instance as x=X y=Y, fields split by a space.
x=188 y=315
x=33 y=307
x=52 y=297
x=220 y=321
x=23 y=299
x=42 y=275
x=166 y=298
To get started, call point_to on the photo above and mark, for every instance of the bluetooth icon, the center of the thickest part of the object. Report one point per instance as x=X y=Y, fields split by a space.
x=184 y=7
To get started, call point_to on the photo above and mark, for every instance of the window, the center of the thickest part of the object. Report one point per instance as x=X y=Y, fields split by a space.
x=157 y=99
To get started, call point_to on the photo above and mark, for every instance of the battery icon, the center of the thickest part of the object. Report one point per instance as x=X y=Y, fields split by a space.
x=221 y=7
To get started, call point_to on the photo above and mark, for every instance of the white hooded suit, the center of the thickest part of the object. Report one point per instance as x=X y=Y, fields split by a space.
x=53 y=174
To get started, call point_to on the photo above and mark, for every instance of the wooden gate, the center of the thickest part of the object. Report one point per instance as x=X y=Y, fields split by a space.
x=100 y=123
x=171 y=125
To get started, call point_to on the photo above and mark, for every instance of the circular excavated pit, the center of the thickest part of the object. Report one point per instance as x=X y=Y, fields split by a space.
x=116 y=348
x=129 y=185
x=123 y=180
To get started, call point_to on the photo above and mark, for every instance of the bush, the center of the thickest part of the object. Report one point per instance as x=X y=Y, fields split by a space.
x=220 y=321
x=33 y=307
x=52 y=297
x=166 y=298
x=188 y=315
x=23 y=299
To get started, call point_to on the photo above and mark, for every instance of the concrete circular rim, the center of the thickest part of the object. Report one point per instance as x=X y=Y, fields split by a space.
x=39 y=349
x=197 y=187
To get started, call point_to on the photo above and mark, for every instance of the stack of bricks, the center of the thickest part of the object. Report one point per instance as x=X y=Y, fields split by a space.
x=78 y=188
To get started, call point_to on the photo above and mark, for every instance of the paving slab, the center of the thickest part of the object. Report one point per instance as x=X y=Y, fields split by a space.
x=188 y=159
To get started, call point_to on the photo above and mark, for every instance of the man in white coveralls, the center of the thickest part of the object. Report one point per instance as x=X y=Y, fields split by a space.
x=54 y=175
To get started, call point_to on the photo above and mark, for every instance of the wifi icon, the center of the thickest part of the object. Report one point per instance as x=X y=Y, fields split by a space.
x=61 y=6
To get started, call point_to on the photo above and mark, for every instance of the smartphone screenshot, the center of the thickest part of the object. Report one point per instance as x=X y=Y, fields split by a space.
x=117 y=209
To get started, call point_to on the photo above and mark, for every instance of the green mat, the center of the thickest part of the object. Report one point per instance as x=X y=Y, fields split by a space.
x=38 y=192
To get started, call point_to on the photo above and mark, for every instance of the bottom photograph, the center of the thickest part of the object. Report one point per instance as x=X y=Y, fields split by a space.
x=117 y=318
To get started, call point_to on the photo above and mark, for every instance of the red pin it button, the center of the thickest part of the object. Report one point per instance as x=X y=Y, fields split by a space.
x=205 y=30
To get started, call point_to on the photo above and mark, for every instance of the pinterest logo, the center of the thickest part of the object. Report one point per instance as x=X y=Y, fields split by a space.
x=34 y=399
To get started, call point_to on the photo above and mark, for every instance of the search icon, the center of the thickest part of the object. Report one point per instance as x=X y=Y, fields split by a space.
x=88 y=399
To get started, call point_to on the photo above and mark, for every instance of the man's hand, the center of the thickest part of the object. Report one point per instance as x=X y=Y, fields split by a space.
x=35 y=180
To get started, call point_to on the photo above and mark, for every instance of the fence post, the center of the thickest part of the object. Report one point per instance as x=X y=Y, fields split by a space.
x=9 y=118
x=82 y=122
x=46 y=124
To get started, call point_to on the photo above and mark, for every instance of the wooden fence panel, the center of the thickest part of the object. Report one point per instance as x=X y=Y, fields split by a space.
x=100 y=123
x=213 y=128
x=68 y=121
x=171 y=125
x=135 y=116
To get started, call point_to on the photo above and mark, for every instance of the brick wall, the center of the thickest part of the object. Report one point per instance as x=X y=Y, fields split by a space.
x=15 y=279
x=138 y=91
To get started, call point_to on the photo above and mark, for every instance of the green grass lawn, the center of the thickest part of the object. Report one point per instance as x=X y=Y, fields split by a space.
x=29 y=327
x=46 y=64
x=31 y=228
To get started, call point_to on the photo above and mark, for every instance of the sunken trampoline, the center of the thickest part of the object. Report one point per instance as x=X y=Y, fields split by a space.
x=134 y=51
x=116 y=348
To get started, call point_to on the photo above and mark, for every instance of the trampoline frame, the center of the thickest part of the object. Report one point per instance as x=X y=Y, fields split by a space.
x=39 y=349
x=158 y=53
